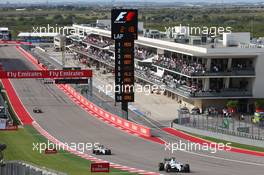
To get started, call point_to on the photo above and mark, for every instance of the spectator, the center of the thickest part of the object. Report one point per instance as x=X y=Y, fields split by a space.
x=98 y=40
x=180 y=65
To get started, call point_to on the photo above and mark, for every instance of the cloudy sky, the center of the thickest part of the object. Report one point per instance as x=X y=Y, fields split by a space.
x=42 y=1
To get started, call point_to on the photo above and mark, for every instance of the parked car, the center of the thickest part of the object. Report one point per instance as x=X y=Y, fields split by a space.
x=184 y=110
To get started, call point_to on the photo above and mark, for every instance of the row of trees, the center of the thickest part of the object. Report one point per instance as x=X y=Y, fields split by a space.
x=241 y=21
x=233 y=104
x=23 y=24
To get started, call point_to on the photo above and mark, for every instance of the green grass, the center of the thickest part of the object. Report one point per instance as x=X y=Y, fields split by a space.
x=20 y=147
x=233 y=144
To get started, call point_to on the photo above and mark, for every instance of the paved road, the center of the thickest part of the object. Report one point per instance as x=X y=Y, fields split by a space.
x=69 y=123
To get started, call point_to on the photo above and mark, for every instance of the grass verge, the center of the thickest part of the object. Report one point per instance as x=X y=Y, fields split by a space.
x=20 y=147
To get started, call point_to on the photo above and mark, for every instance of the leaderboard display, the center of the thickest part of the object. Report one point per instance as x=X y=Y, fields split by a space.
x=124 y=71
x=124 y=32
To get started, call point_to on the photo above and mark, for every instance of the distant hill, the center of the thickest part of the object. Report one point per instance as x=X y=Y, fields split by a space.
x=89 y=1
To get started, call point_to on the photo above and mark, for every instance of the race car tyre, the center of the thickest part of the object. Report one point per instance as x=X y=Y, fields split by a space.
x=93 y=151
x=186 y=168
x=161 y=166
x=109 y=152
x=168 y=168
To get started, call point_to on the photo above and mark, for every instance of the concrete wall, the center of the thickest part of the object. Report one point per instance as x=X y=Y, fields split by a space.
x=258 y=82
x=230 y=138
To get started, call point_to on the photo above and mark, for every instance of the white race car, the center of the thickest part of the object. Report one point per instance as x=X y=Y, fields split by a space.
x=171 y=165
x=101 y=149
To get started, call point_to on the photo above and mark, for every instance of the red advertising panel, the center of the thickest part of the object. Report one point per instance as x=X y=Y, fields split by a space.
x=46 y=74
x=51 y=151
x=100 y=167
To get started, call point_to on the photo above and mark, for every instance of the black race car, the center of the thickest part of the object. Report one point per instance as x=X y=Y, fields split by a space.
x=37 y=110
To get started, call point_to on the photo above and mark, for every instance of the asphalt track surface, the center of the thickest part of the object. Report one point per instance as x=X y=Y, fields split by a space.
x=67 y=122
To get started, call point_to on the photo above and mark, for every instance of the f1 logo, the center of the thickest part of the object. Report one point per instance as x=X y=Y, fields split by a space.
x=124 y=17
x=120 y=16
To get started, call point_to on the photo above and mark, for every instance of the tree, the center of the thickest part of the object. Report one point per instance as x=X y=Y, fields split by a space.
x=232 y=103
x=259 y=105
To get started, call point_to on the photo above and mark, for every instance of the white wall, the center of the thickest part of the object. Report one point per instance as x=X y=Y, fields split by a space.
x=258 y=83
x=59 y=41
x=106 y=22
x=236 y=38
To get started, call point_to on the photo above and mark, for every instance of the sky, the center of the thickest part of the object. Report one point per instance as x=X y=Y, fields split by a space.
x=186 y=1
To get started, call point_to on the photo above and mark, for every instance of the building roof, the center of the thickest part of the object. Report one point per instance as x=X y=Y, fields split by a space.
x=193 y=50
x=3 y=29
x=26 y=34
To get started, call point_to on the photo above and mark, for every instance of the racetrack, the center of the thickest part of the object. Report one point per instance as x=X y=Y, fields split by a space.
x=67 y=122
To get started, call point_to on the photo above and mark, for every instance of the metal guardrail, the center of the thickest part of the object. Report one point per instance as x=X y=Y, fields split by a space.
x=233 y=72
x=225 y=93
x=186 y=93
x=225 y=125
x=24 y=168
x=242 y=72
x=7 y=113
